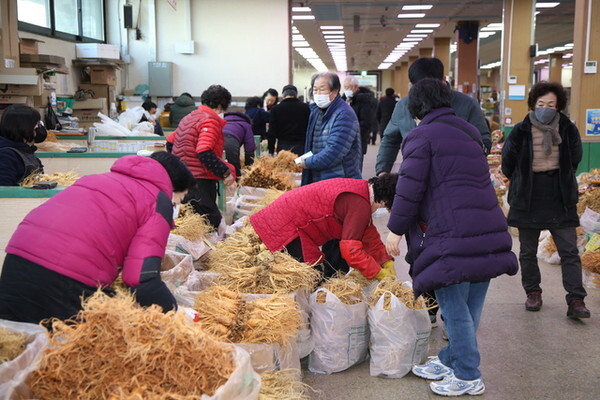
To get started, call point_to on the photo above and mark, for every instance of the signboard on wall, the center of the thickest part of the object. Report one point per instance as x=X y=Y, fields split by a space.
x=592 y=122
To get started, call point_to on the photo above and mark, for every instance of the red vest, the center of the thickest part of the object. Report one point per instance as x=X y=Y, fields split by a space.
x=306 y=212
x=197 y=132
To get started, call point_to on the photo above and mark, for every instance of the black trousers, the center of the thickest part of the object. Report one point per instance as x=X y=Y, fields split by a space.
x=203 y=197
x=31 y=293
x=570 y=262
x=333 y=262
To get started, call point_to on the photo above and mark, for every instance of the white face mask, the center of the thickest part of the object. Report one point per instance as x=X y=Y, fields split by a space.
x=222 y=115
x=322 y=100
x=348 y=93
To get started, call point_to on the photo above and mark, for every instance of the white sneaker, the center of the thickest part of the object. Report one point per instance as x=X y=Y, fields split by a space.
x=433 y=370
x=452 y=386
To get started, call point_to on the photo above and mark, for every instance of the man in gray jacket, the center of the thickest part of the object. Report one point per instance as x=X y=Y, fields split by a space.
x=401 y=122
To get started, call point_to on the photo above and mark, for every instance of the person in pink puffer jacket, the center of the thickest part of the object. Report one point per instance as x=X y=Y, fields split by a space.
x=83 y=237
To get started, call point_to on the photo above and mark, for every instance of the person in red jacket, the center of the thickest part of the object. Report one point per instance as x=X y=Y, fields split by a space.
x=306 y=218
x=199 y=142
x=83 y=238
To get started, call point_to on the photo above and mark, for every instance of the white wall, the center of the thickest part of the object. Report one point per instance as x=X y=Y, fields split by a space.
x=240 y=44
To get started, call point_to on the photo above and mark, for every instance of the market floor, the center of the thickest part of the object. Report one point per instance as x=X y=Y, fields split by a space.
x=524 y=355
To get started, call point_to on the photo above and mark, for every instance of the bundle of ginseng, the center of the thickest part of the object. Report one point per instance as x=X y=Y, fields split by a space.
x=590 y=261
x=61 y=178
x=348 y=291
x=261 y=177
x=590 y=199
x=116 y=349
x=285 y=162
x=225 y=314
x=357 y=277
x=283 y=385
x=190 y=224
x=404 y=293
x=11 y=344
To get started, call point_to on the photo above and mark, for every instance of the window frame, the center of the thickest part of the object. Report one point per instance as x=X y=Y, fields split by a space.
x=53 y=33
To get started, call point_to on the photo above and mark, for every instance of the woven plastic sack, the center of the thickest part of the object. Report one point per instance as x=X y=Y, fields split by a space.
x=243 y=384
x=14 y=373
x=340 y=332
x=399 y=337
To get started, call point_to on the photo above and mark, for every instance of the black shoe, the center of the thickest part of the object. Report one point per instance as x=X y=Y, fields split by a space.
x=534 y=301
x=577 y=309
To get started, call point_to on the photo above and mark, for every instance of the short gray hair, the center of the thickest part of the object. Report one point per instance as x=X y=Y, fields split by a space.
x=333 y=80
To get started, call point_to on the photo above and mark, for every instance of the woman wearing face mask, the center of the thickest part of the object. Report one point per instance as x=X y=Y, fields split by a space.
x=20 y=128
x=540 y=158
x=306 y=218
x=199 y=142
x=80 y=240
x=333 y=134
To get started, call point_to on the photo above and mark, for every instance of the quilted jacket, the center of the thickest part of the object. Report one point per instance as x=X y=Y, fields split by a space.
x=119 y=220
x=444 y=185
x=336 y=147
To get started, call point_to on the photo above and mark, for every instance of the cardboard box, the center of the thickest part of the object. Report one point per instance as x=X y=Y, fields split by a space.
x=92 y=104
x=97 y=50
x=26 y=100
x=103 y=75
x=23 y=90
x=87 y=117
x=29 y=45
x=99 y=91
x=42 y=101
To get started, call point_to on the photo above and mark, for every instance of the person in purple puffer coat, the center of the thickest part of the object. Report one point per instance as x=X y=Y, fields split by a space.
x=238 y=132
x=458 y=236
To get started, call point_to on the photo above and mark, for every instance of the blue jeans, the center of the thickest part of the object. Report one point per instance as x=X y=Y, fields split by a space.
x=461 y=306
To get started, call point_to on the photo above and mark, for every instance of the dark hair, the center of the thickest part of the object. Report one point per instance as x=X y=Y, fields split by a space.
x=426 y=95
x=181 y=177
x=389 y=91
x=215 y=96
x=333 y=80
x=289 y=90
x=543 y=88
x=186 y=94
x=149 y=105
x=270 y=91
x=384 y=188
x=425 y=67
x=253 y=102
x=18 y=123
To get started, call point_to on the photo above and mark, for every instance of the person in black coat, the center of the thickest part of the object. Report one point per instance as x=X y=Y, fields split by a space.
x=540 y=157
x=20 y=128
x=260 y=117
x=364 y=104
x=385 y=108
x=289 y=120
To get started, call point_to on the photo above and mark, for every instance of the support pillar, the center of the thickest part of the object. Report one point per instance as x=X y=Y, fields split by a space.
x=467 y=58
x=397 y=78
x=517 y=37
x=441 y=51
x=584 y=86
x=425 y=52
x=555 y=67
x=403 y=88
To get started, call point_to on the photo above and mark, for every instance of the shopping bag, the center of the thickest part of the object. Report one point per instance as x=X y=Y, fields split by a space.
x=399 y=337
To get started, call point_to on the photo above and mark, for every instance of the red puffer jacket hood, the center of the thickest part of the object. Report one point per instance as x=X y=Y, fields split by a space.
x=102 y=224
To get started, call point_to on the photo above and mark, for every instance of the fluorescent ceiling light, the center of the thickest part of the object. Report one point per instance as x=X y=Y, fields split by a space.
x=335 y=40
x=333 y=36
x=546 y=5
x=303 y=17
x=333 y=32
x=297 y=37
x=569 y=45
x=491 y=29
x=427 y=26
x=420 y=35
x=300 y=9
x=415 y=15
x=537 y=12
x=495 y=24
x=300 y=43
x=409 y=39
x=568 y=55
x=414 y=8
x=422 y=31
x=325 y=27
x=384 y=65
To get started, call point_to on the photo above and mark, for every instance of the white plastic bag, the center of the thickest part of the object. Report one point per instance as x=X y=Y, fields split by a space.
x=176 y=268
x=14 y=373
x=305 y=340
x=590 y=221
x=543 y=253
x=196 y=248
x=271 y=357
x=340 y=332
x=399 y=337
x=243 y=384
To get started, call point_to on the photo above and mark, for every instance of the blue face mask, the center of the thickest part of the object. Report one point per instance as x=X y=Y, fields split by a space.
x=544 y=114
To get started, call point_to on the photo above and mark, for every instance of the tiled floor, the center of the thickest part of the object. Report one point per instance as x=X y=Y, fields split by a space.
x=524 y=355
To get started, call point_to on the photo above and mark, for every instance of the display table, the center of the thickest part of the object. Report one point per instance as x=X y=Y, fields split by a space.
x=15 y=203
x=80 y=163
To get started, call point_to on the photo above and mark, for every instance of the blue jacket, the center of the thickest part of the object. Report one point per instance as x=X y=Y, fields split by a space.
x=337 y=149
x=13 y=169
x=446 y=204
x=401 y=123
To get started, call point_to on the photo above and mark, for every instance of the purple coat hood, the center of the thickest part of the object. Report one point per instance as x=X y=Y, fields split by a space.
x=444 y=185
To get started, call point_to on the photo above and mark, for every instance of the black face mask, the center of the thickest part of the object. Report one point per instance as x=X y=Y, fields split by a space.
x=40 y=133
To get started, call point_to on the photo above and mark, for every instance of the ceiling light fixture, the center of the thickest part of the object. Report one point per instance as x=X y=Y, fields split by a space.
x=546 y=5
x=414 y=8
x=415 y=15
x=427 y=26
x=296 y=17
x=327 y=27
x=422 y=31
x=300 y=9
